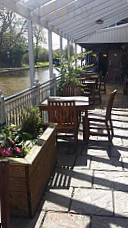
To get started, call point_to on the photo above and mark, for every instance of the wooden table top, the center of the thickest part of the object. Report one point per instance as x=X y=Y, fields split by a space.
x=79 y=100
x=89 y=81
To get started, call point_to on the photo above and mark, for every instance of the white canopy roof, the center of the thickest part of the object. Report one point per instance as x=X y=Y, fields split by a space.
x=72 y=19
x=117 y=34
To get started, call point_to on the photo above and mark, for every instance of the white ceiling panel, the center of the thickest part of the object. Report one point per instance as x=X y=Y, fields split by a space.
x=73 y=19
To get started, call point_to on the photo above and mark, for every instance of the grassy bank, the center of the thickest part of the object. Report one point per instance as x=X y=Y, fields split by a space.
x=24 y=67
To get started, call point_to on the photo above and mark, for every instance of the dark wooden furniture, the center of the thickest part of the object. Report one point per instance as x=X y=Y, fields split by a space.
x=102 y=82
x=97 y=123
x=97 y=93
x=81 y=104
x=64 y=113
x=4 y=194
x=71 y=90
x=89 y=88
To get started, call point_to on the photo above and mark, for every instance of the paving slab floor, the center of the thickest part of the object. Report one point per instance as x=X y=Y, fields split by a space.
x=89 y=186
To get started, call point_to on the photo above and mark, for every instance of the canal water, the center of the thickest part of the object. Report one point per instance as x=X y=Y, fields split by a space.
x=11 y=83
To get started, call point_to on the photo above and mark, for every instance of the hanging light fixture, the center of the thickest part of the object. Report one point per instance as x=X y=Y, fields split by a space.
x=99 y=21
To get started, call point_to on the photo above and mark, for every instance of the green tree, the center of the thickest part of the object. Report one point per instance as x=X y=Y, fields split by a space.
x=12 y=40
x=43 y=55
x=39 y=38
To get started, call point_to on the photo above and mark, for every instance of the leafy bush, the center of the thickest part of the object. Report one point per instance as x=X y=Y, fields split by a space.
x=31 y=121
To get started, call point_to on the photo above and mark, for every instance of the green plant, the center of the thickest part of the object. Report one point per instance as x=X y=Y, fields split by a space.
x=69 y=75
x=14 y=142
x=31 y=121
x=17 y=141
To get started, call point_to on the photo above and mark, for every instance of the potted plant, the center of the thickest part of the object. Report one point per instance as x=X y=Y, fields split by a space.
x=68 y=75
x=30 y=163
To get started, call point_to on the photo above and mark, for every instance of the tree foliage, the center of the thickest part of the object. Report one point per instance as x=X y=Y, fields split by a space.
x=13 y=43
x=39 y=38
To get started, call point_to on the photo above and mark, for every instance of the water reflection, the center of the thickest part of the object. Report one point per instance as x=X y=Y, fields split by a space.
x=12 y=83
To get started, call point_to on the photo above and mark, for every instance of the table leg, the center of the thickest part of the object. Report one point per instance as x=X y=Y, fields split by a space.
x=86 y=127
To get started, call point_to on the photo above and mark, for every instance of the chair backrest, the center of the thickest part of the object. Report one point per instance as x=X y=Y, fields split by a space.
x=71 y=90
x=110 y=104
x=62 y=112
x=83 y=81
x=4 y=194
x=104 y=78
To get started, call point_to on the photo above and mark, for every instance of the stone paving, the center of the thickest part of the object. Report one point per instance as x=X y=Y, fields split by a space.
x=89 y=187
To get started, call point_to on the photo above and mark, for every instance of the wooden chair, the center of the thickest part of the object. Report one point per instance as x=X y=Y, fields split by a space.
x=97 y=94
x=97 y=123
x=103 y=80
x=71 y=90
x=4 y=194
x=89 y=89
x=65 y=114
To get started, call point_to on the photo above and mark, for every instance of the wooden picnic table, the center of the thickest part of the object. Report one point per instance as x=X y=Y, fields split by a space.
x=81 y=103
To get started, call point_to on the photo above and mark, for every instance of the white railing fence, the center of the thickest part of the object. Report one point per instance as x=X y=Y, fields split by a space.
x=12 y=107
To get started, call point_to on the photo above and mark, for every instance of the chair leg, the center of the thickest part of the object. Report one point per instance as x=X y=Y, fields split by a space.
x=111 y=126
x=100 y=98
x=76 y=137
x=85 y=129
x=108 y=131
x=104 y=88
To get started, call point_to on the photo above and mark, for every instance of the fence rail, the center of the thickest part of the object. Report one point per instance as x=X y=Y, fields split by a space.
x=12 y=107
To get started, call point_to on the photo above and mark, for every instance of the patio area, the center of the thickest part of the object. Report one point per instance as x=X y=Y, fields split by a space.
x=89 y=187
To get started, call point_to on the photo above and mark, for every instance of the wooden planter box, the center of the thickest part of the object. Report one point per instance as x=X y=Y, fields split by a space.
x=28 y=177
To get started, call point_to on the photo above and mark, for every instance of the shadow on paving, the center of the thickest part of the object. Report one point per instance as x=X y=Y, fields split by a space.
x=75 y=166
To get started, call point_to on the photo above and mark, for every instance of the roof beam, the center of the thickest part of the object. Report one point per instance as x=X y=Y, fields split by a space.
x=69 y=10
x=114 y=34
x=87 y=12
x=96 y=15
x=23 y=11
x=16 y=7
x=83 y=26
x=84 y=34
x=34 y=4
x=54 y=6
x=20 y=9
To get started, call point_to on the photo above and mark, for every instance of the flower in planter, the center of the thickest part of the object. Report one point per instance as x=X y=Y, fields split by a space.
x=17 y=141
x=6 y=152
x=8 y=144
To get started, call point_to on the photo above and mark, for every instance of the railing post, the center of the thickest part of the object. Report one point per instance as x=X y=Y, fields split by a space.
x=53 y=86
x=2 y=109
x=38 y=98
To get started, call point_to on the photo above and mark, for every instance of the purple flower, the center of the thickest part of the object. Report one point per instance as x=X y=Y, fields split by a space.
x=17 y=149
x=6 y=152
x=10 y=140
